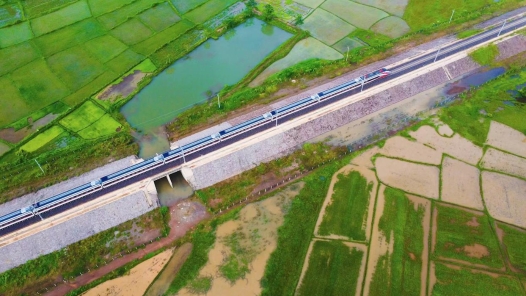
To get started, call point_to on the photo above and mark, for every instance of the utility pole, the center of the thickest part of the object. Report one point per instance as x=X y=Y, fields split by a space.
x=39 y=166
x=501 y=28
x=451 y=18
x=436 y=56
x=363 y=82
x=276 y=118
x=182 y=150
x=347 y=55
x=218 y=104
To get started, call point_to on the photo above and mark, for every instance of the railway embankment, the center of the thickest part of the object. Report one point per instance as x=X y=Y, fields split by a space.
x=202 y=174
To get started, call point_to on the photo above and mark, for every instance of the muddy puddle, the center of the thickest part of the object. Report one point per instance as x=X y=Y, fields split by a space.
x=13 y=136
x=246 y=243
x=473 y=80
x=124 y=88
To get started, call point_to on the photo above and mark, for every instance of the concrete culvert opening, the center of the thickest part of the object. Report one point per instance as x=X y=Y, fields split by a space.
x=168 y=193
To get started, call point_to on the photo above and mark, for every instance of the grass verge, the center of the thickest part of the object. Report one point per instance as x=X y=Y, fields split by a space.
x=515 y=239
x=486 y=55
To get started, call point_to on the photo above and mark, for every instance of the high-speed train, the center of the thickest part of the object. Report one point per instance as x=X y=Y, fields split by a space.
x=180 y=152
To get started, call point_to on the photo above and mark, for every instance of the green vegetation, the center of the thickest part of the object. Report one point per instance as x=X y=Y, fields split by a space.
x=468 y=33
x=333 y=269
x=89 y=89
x=391 y=26
x=78 y=257
x=515 y=239
x=159 y=17
x=99 y=7
x=358 y=15
x=119 y=16
x=60 y=18
x=66 y=65
x=486 y=55
x=55 y=108
x=399 y=273
x=346 y=44
x=200 y=285
x=35 y=8
x=371 y=38
x=326 y=27
x=105 y=126
x=157 y=41
x=132 y=32
x=105 y=47
x=184 y=6
x=284 y=265
x=125 y=61
x=208 y=10
x=16 y=56
x=471 y=116
x=15 y=107
x=347 y=212
x=15 y=34
x=459 y=233
x=82 y=117
x=42 y=139
x=236 y=265
x=9 y=14
x=464 y=282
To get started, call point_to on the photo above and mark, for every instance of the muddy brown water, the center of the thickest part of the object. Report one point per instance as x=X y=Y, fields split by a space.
x=15 y=136
x=124 y=88
x=163 y=281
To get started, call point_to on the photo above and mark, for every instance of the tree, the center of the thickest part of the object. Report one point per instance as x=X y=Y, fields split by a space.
x=252 y=4
x=298 y=20
x=522 y=93
x=268 y=12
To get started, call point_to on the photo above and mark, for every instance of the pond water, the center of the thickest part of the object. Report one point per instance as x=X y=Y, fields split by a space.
x=471 y=80
x=202 y=73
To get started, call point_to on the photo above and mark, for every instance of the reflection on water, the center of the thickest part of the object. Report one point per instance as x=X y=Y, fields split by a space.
x=169 y=196
x=472 y=80
x=155 y=141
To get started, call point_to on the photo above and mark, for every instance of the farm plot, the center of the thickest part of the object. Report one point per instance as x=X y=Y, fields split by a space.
x=15 y=107
x=310 y=3
x=347 y=44
x=466 y=236
x=460 y=184
x=99 y=7
x=184 y=6
x=326 y=27
x=10 y=14
x=348 y=208
x=75 y=67
x=402 y=148
x=369 y=37
x=42 y=139
x=34 y=8
x=15 y=34
x=411 y=177
x=458 y=281
x=158 y=40
x=125 y=61
x=38 y=85
x=91 y=88
x=509 y=207
x=514 y=239
x=132 y=32
x=159 y=17
x=401 y=269
x=309 y=48
x=69 y=36
x=391 y=26
x=60 y=18
x=82 y=117
x=208 y=10
x=4 y=148
x=16 y=56
x=106 y=125
x=497 y=160
x=105 y=48
x=506 y=138
x=396 y=7
x=334 y=268
x=119 y=16
x=358 y=15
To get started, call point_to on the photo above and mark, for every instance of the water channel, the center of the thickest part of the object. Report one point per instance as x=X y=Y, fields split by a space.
x=196 y=78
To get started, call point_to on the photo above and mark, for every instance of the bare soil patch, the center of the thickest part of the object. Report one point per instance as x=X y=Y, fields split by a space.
x=504 y=198
x=185 y=215
x=455 y=146
x=124 y=88
x=504 y=162
x=432 y=278
x=476 y=251
x=410 y=177
x=364 y=159
x=137 y=281
x=506 y=138
x=400 y=147
x=445 y=131
x=460 y=184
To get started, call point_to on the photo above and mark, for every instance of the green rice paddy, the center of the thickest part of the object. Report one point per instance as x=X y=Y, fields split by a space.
x=82 y=117
x=457 y=230
x=184 y=6
x=391 y=26
x=326 y=27
x=208 y=10
x=10 y=14
x=16 y=56
x=309 y=48
x=60 y=18
x=15 y=34
x=358 y=15
x=42 y=139
x=464 y=282
x=346 y=214
x=119 y=16
x=333 y=269
x=310 y=3
x=106 y=125
x=16 y=104
x=99 y=7
x=105 y=47
x=515 y=239
x=347 y=44
x=159 y=17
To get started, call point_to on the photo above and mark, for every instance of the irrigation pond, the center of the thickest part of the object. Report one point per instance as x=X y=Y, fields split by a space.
x=195 y=78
